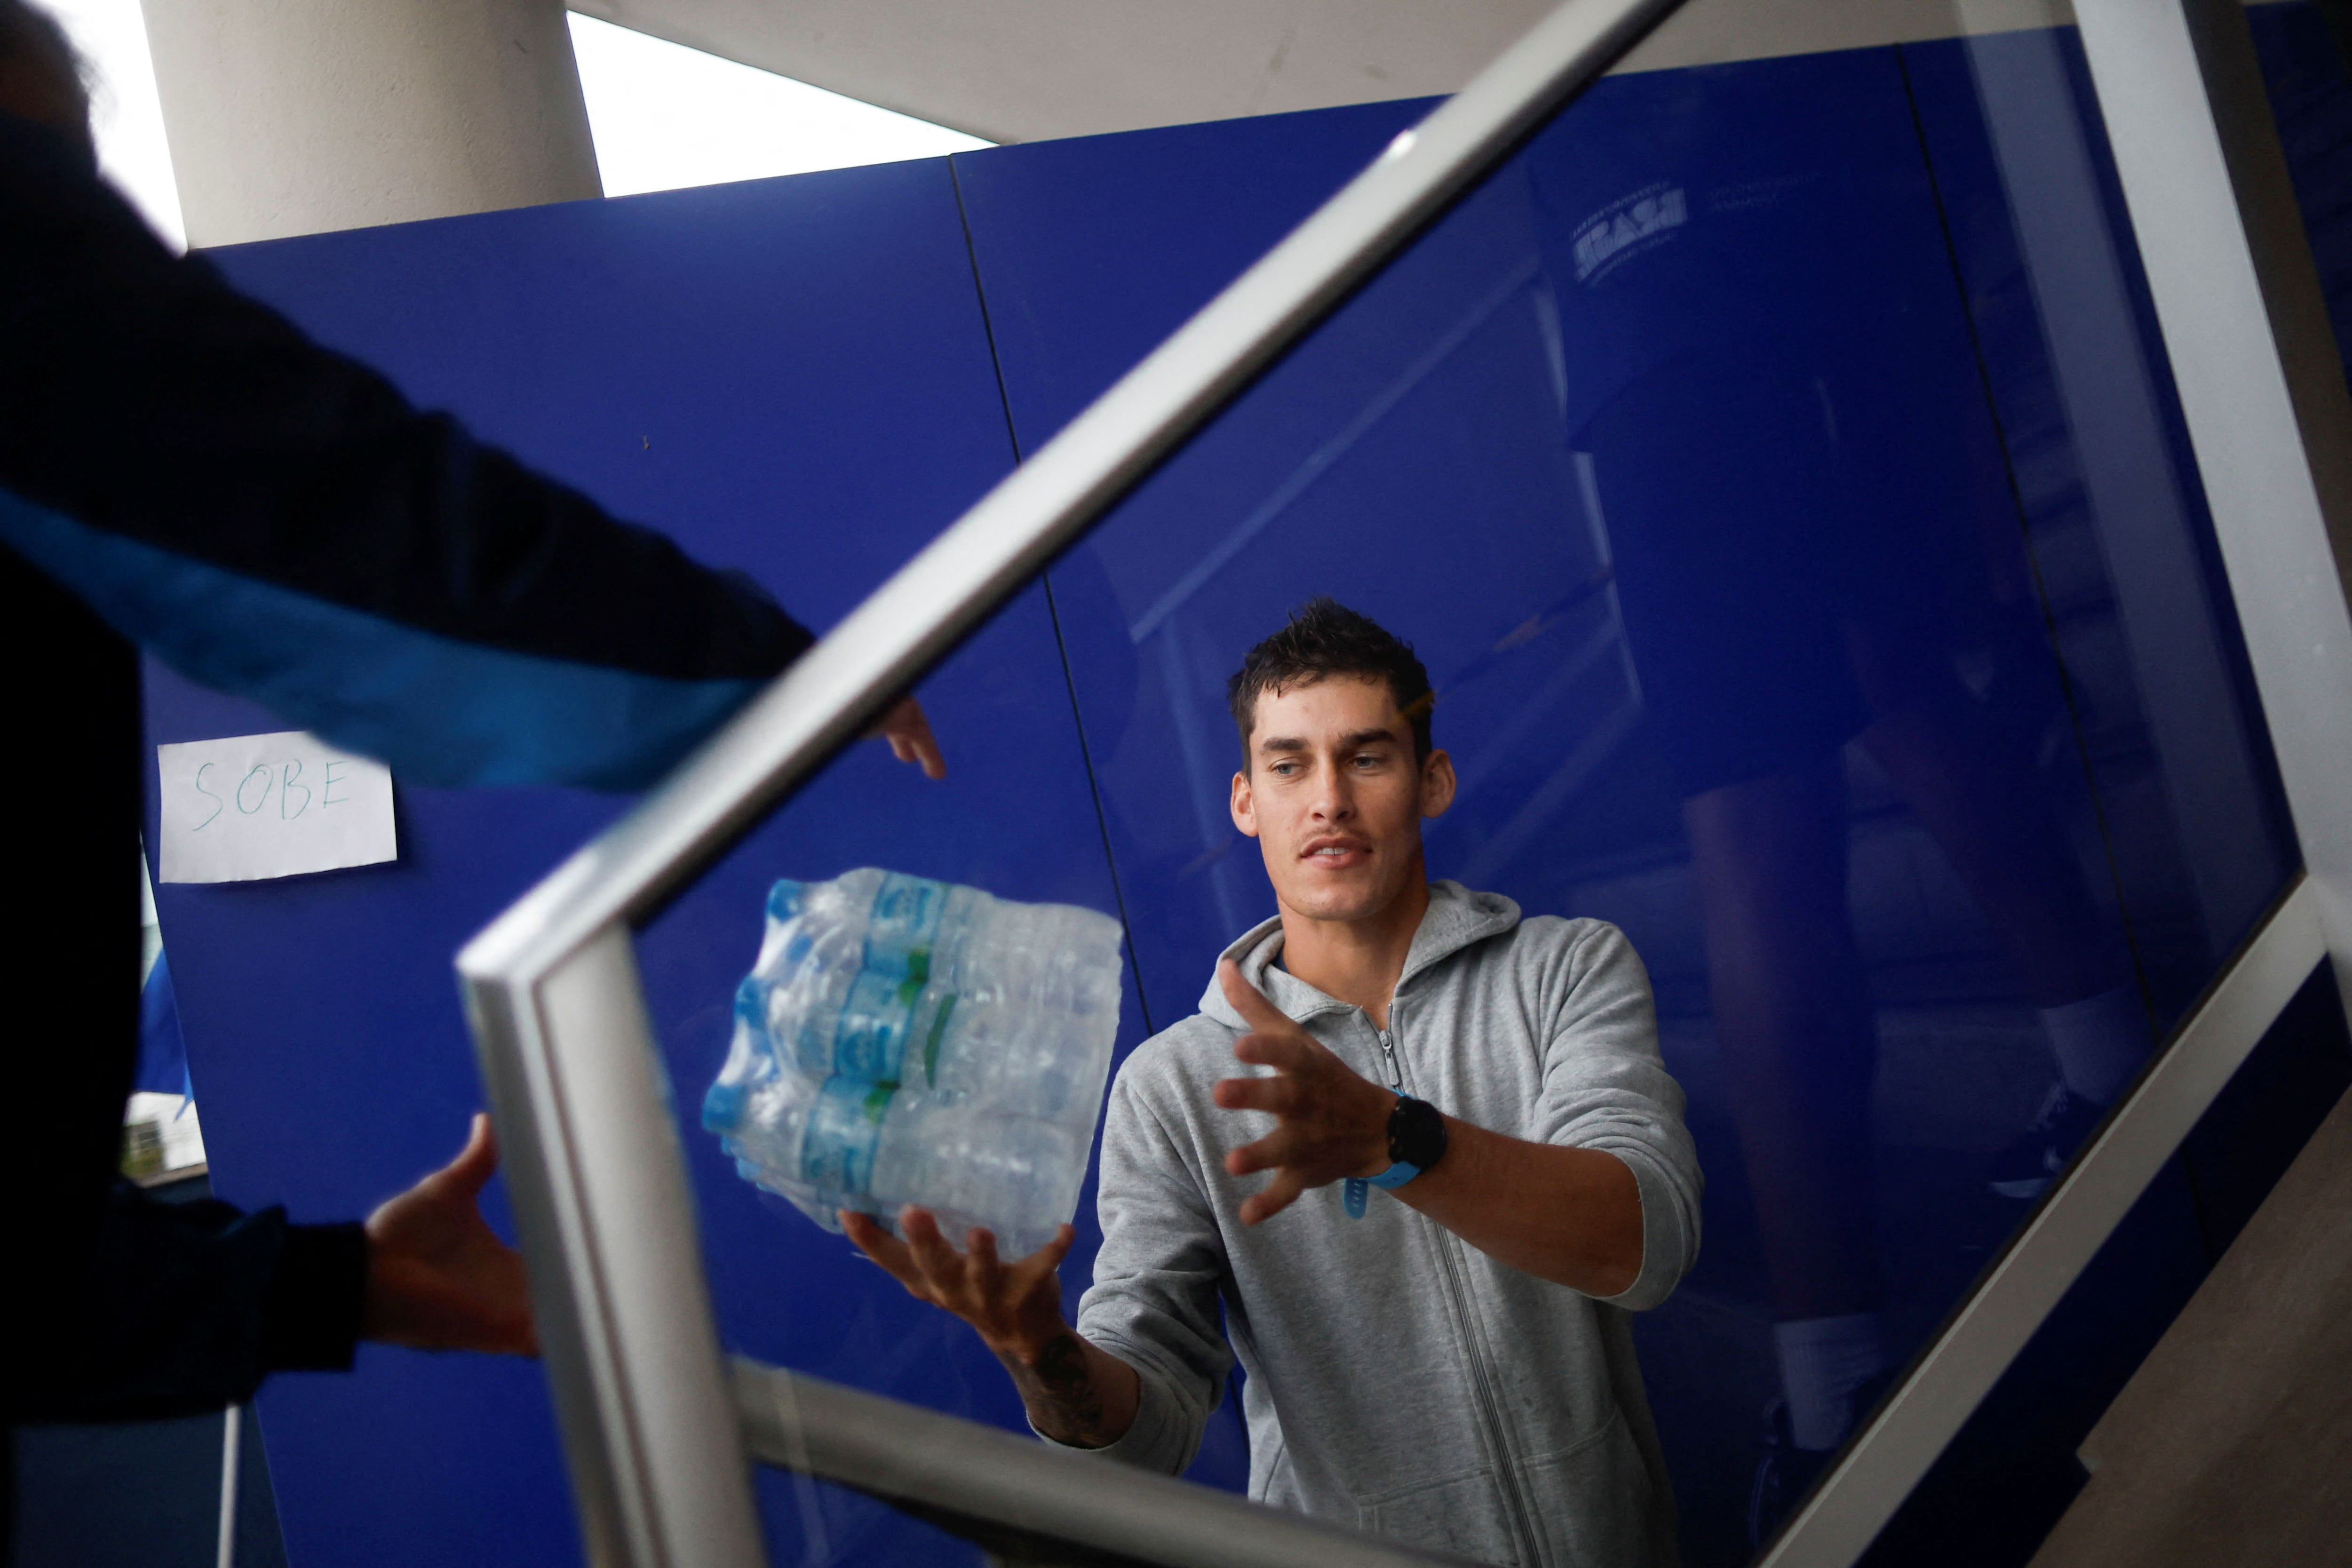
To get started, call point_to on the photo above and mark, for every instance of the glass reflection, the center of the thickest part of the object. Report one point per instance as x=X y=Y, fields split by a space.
x=1774 y=472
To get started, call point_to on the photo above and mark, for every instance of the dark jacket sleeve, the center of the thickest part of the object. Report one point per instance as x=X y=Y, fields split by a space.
x=275 y=520
x=188 y=1306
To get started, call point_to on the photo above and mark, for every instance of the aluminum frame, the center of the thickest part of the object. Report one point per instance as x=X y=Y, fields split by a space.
x=2262 y=389
x=1951 y=1377
x=1014 y=1491
x=652 y=1430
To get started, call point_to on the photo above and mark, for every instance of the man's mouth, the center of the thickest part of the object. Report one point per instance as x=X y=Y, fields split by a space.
x=1335 y=851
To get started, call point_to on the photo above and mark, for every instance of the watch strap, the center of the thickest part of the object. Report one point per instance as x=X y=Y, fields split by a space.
x=1416 y=1141
x=1359 y=1188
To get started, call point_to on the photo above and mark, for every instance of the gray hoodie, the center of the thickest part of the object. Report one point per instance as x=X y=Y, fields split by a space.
x=1400 y=1379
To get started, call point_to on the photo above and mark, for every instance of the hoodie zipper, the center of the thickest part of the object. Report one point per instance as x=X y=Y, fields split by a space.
x=1507 y=1474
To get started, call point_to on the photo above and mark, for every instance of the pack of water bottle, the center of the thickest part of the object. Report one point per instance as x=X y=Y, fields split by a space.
x=906 y=1041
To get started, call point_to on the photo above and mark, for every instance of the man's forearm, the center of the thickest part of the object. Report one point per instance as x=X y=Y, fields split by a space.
x=1570 y=1215
x=1076 y=1392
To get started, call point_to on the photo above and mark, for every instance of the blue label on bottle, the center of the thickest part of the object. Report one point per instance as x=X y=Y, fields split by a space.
x=904 y=921
x=843 y=1127
x=722 y=1107
x=869 y=1040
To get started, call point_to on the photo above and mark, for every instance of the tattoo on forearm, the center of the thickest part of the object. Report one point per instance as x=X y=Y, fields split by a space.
x=1060 y=1393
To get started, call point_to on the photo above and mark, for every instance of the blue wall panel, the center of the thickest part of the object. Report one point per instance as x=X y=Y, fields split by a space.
x=1091 y=251
x=788 y=377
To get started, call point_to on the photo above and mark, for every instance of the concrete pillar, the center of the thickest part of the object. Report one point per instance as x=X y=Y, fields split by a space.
x=292 y=116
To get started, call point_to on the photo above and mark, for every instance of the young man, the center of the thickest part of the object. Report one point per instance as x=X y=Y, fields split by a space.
x=1450 y=1362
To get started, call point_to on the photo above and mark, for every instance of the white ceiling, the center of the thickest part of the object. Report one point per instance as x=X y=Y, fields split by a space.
x=1025 y=70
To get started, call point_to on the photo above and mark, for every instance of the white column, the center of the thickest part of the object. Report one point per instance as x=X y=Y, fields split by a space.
x=299 y=116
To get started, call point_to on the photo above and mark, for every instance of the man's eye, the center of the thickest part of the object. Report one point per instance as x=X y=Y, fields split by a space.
x=1283 y=770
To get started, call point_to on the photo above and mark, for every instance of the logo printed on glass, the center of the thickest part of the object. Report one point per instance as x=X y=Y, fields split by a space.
x=1617 y=230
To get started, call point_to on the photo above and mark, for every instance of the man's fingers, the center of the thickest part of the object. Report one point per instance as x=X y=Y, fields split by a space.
x=475 y=1164
x=987 y=1274
x=884 y=1249
x=1022 y=1277
x=1278 y=1096
x=1274 y=1149
x=1250 y=1002
x=1048 y=1257
x=1291 y=1053
x=909 y=731
x=939 y=1261
x=1278 y=1196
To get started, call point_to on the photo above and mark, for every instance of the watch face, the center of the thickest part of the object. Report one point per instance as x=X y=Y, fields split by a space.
x=1416 y=1133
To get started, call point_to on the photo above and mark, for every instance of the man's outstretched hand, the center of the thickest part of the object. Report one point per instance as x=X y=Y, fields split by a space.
x=909 y=734
x=438 y=1276
x=1016 y=1306
x=1330 y=1121
x=1076 y=1392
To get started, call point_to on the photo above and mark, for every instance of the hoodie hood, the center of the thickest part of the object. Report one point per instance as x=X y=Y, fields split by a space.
x=1456 y=918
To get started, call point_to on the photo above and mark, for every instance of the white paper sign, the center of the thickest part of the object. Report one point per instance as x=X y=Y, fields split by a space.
x=249 y=806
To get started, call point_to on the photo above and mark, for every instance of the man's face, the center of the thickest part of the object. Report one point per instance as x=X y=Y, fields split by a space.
x=1335 y=799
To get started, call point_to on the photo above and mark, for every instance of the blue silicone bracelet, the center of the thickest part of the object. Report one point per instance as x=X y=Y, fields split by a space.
x=1359 y=1187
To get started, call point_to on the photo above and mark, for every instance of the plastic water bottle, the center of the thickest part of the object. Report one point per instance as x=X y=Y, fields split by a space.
x=891 y=979
x=848 y=1144
x=901 y=1041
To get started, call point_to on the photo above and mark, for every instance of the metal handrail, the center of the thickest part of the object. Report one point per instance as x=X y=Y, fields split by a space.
x=1010 y=1491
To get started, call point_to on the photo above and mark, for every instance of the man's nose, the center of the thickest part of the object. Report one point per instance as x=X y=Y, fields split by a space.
x=1332 y=801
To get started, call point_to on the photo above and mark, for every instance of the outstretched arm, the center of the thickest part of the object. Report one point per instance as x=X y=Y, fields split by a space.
x=278 y=522
x=183 y=1308
x=438 y=1278
x=1076 y=1392
x=1570 y=1215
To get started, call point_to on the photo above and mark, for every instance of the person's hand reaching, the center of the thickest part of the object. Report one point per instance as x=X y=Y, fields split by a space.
x=1016 y=1307
x=909 y=734
x=438 y=1276
x=1330 y=1121
x=1076 y=1392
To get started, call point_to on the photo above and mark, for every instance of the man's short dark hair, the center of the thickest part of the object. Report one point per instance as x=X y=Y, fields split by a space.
x=1325 y=638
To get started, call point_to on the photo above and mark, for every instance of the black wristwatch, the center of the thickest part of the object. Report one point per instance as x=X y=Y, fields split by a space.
x=1416 y=1141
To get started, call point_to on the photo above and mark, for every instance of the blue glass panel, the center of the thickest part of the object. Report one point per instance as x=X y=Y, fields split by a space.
x=1787 y=497
x=1774 y=466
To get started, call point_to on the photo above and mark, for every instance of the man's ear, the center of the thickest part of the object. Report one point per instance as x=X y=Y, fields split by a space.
x=1437 y=785
x=1243 y=805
